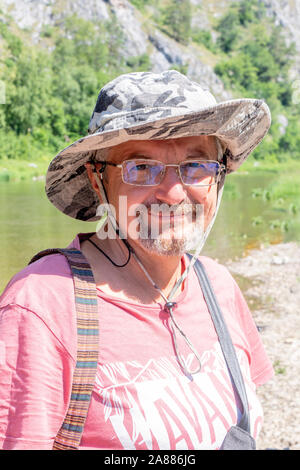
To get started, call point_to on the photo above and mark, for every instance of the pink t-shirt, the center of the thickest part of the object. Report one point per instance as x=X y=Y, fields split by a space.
x=141 y=398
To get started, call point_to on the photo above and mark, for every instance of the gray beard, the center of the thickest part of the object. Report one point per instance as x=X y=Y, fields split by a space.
x=165 y=241
x=175 y=246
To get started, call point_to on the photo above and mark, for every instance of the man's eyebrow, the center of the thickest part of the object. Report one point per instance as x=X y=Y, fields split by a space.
x=131 y=155
x=199 y=151
x=139 y=155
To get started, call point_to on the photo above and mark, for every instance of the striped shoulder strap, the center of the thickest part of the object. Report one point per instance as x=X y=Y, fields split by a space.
x=69 y=435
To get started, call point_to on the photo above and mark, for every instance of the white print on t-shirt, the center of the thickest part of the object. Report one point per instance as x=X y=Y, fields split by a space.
x=154 y=406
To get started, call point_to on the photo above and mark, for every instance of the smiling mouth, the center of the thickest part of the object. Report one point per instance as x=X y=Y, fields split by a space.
x=163 y=222
x=167 y=216
x=163 y=216
x=171 y=214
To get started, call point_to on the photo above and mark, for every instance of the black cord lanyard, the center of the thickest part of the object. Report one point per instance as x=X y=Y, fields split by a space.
x=115 y=264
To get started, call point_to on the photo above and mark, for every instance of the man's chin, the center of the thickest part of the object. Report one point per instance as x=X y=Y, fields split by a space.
x=173 y=246
x=164 y=247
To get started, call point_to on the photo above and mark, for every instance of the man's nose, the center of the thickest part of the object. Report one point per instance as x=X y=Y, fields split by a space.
x=171 y=189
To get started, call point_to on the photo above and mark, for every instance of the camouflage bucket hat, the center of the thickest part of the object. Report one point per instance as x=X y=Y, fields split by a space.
x=149 y=106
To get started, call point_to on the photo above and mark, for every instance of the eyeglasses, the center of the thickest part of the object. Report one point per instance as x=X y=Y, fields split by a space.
x=144 y=172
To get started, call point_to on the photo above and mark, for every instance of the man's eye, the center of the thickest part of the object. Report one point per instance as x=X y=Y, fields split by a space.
x=142 y=167
x=194 y=164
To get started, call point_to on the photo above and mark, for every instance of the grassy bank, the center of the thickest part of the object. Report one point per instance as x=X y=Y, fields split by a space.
x=287 y=165
x=284 y=184
x=14 y=171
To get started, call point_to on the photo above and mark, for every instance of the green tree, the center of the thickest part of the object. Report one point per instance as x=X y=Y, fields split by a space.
x=250 y=11
x=176 y=20
x=238 y=71
x=259 y=63
x=282 y=53
x=28 y=97
x=228 y=31
x=51 y=92
x=290 y=140
x=202 y=36
x=139 y=63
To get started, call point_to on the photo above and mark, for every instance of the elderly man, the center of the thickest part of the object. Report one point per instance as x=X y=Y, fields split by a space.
x=128 y=339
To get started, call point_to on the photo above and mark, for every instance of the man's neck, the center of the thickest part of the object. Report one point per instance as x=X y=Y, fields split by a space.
x=163 y=270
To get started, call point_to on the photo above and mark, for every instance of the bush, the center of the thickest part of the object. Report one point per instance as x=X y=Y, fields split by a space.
x=141 y=4
x=228 y=32
x=290 y=140
x=139 y=63
x=175 y=20
x=204 y=37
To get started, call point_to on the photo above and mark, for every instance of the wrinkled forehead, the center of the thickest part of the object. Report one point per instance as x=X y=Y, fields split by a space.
x=198 y=146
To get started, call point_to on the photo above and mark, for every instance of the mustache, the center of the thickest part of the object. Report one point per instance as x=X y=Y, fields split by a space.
x=185 y=207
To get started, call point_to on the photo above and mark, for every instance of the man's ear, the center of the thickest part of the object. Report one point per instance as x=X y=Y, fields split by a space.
x=91 y=168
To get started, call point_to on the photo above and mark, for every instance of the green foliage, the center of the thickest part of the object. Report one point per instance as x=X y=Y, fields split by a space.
x=27 y=103
x=35 y=145
x=182 y=68
x=229 y=32
x=289 y=142
x=51 y=91
x=139 y=63
x=257 y=65
x=239 y=15
x=175 y=20
x=141 y=4
x=279 y=368
x=238 y=70
x=258 y=57
x=203 y=36
x=14 y=44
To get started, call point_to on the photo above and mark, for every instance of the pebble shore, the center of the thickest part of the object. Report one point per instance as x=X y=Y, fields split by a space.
x=270 y=281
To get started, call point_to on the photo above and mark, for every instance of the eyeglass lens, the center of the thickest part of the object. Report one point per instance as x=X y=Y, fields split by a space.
x=149 y=172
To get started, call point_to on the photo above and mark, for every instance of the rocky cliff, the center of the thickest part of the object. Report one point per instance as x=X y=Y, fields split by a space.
x=141 y=36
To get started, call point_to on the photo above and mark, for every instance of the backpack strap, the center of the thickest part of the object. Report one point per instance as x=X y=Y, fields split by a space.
x=69 y=435
x=238 y=437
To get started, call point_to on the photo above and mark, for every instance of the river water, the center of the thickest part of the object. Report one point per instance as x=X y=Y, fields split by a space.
x=29 y=223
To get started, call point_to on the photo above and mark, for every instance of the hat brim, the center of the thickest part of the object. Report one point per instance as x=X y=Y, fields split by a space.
x=240 y=124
